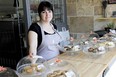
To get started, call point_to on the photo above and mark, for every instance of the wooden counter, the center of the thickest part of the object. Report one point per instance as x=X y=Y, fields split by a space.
x=106 y=58
x=90 y=67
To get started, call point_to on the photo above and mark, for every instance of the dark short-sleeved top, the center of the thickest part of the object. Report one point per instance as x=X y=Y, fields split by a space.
x=36 y=28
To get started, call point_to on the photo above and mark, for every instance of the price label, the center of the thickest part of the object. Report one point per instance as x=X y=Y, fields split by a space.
x=70 y=73
x=40 y=66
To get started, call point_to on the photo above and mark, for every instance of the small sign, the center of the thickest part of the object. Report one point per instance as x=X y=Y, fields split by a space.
x=70 y=73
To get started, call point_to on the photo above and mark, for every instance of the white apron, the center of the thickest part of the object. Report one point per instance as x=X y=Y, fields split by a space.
x=48 y=48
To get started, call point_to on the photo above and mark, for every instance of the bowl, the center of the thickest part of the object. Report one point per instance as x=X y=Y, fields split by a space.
x=108 y=44
x=94 y=51
x=61 y=68
x=72 y=49
x=32 y=66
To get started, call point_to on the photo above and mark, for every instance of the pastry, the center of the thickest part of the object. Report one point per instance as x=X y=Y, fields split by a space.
x=72 y=48
x=57 y=73
x=31 y=69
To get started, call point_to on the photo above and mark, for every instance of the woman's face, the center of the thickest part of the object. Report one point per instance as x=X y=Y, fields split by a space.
x=46 y=15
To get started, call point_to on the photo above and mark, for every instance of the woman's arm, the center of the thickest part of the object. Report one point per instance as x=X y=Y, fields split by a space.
x=32 y=39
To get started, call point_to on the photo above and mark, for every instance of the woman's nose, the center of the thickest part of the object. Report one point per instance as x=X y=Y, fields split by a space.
x=47 y=13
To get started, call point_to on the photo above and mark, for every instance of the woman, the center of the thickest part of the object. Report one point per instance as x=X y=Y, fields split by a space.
x=42 y=36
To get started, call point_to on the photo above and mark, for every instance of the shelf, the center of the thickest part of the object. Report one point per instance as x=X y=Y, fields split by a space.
x=109 y=18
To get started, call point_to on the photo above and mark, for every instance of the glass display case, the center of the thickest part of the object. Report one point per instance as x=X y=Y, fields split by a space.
x=31 y=14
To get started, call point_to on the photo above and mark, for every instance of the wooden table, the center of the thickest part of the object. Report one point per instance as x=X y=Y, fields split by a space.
x=90 y=67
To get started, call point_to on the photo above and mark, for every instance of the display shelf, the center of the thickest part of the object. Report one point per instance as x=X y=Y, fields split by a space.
x=109 y=18
x=112 y=19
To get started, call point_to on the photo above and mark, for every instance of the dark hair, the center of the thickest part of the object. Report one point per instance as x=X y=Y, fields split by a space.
x=44 y=5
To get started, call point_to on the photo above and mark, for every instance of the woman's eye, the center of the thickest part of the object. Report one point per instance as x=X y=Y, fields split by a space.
x=49 y=11
x=43 y=11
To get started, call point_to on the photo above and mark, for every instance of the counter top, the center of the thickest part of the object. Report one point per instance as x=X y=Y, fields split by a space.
x=90 y=67
x=103 y=59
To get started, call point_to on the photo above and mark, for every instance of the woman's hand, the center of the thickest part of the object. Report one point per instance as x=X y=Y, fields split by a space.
x=31 y=54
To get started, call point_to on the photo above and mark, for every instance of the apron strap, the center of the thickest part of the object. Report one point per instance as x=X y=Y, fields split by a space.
x=56 y=31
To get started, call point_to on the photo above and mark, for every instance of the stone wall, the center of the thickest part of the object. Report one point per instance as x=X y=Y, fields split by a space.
x=82 y=15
